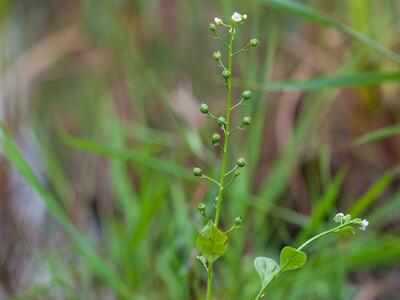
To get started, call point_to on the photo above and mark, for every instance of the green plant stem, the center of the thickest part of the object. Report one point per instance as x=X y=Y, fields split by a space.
x=209 y=280
x=227 y=129
x=337 y=228
x=224 y=155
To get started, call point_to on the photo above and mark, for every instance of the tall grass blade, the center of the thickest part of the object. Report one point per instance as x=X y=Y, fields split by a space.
x=308 y=13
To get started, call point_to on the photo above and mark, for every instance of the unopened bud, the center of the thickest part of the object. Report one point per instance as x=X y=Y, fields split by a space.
x=246 y=95
x=238 y=221
x=241 y=162
x=204 y=108
x=197 y=172
x=216 y=138
x=217 y=55
x=226 y=73
x=254 y=42
x=246 y=121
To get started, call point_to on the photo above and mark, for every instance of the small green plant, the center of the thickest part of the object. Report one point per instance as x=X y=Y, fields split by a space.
x=212 y=241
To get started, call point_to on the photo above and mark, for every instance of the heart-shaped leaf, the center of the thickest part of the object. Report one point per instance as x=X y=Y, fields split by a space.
x=266 y=268
x=212 y=242
x=291 y=259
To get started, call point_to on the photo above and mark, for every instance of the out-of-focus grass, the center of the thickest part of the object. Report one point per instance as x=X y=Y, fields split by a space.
x=116 y=124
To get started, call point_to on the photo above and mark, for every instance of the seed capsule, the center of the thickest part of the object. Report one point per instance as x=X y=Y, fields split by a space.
x=254 y=42
x=216 y=138
x=241 y=162
x=212 y=27
x=226 y=73
x=197 y=172
x=246 y=95
x=217 y=55
x=221 y=121
x=202 y=209
x=246 y=121
x=204 y=108
x=238 y=221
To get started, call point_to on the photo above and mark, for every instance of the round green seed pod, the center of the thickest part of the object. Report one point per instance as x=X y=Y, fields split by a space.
x=241 y=162
x=226 y=73
x=217 y=55
x=204 y=108
x=212 y=27
x=246 y=95
x=216 y=138
x=238 y=221
x=246 y=121
x=197 y=172
x=254 y=42
x=202 y=209
x=237 y=173
x=221 y=121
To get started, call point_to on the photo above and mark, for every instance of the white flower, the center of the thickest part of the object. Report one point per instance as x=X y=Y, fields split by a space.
x=364 y=224
x=339 y=218
x=236 y=17
x=218 y=21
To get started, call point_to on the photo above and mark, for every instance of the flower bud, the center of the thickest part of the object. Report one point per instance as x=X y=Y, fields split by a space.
x=217 y=55
x=202 y=209
x=237 y=173
x=211 y=27
x=226 y=73
x=246 y=95
x=241 y=162
x=221 y=121
x=238 y=221
x=197 y=172
x=216 y=138
x=254 y=42
x=246 y=121
x=204 y=108
x=218 y=21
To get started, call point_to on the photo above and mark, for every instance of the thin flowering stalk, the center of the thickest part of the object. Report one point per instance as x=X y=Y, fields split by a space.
x=212 y=241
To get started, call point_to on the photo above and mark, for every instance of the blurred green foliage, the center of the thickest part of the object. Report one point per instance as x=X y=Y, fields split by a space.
x=111 y=108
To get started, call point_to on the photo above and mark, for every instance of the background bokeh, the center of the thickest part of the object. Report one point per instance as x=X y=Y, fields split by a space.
x=99 y=104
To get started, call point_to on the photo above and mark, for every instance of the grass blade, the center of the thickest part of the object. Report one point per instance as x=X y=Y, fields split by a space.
x=378 y=134
x=164 y=167
x=372 y=194
x=334 y=81
x=308 y=13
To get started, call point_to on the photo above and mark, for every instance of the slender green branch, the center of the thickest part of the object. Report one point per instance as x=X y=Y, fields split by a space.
x=236 y=129
x=280 y=270
x=231 y=171
x=245 y=48
x=210 y=179
x=238 y=104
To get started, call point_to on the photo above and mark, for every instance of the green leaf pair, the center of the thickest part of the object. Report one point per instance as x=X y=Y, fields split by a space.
x=268 y=269
x=211 y=242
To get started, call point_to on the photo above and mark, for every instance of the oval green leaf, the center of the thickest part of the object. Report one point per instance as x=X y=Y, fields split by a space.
x=212 y=242
x=266 y=268
x=291 y=259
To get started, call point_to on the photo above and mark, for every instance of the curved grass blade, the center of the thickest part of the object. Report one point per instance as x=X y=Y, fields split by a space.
x=378 y=134
x=334 y=81
x=164 y=167
x=308 y=13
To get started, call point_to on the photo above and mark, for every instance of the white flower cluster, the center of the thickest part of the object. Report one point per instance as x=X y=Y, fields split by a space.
x=346 y=219
x=236 y=17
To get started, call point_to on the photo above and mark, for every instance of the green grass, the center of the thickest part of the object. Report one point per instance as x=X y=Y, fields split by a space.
x=115 y=148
